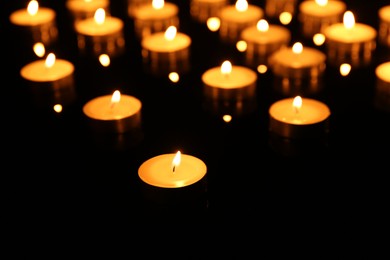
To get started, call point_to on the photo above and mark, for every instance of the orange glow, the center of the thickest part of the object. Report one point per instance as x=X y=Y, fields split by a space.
x=213 y=24
x=104 y=59
x=262 y=25
x=241 y=46
x=241 y=5
x=50 y=60
x=158 y=4
x=174 y=77
x=318 y=39
x=345 y=69
x=227 y=118
x=100 y=16
x=39 y=49
x=170 y=33
x=285 y=18
x=349 y=20
x=322 y=2
x=297 y=48
x=57 y=108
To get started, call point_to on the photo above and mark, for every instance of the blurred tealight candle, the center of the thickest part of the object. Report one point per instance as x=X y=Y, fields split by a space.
x=299 y=118
x=50 y=80
x=384 y=26
x=165 y=52
x=350 y=42
x=83 y=9
x=314 y=16
x=382 y=89
x=235 y=18
x=298 y=70
x=262 y=40
x=274 y=8
x=100 y=34
x=155 y=17
x=37 y=23
x=116 y=113
x=202 y=10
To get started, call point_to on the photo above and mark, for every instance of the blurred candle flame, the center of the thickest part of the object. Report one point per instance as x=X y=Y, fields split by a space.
x=57 y=108
x=227 y=118
x=100 y=16
x=32 y=7
x=39 y=49
x=297 y=103
x=349 y=20
x=319 y=39
x=104 y=59
x=213 y=24
x=170 y=33
x=241 y=46
x=297 y=48
x=322 y=2
x=285 y=18
x=174 y=77
x=345 y=69
x=50 y=60
x=158 y=4
x=241 y=5
x=176 y=161
x=226 y=68
x=262 y=25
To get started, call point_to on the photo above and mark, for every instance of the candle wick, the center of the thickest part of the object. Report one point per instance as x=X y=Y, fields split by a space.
x=296 y=110
x=174 y=168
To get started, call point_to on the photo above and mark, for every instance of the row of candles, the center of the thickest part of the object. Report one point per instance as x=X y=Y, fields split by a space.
x=165 y=49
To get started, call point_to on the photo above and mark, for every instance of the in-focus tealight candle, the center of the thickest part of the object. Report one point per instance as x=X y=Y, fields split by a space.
x=350 y=42
x=299 y=118
x=174 y=179
x=50 y=80
x=155 y=17
x=202 y=10
x=235 y=18
x=262 y=40
x=37 y=23
x=298 y=70
x=101 y=34
x=384 y=26
x=116 y=113
x=165 y=52
x=229 y=89
x=315 y=16
x=382 y=89
x=83 y=9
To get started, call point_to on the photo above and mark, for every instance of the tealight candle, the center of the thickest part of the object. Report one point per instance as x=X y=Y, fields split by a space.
x=384 y=26
x=174 y=179
x=166 y=52
x=116 y=113
x=350 y=42
x=133 y=5
x=315 y=15
x=38 y=23
x=83 y=9
x=100 y=34
x=201 y=10
x=262 y=40
x=299 y=118
x=273 y=8
x=382 y=90
x=229 y=89
x=297 y=70
x=155 y=17
x=51 y=81
x=235 y=18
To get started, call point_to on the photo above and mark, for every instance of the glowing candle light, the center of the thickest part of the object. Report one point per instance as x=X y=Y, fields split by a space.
x=202 y=10
x=299 y=118
x=382 y=88
x=384 y=26
x=274 y=8
x=234 y=18
x=83 y=9
x=100 y=34
x=166 y=52
x=116 y=113
x=350 y=42
x=155 y=17
x=262 y=40
x=37 y=23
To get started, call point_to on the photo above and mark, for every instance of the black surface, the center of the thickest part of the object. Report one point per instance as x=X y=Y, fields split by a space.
x=77 y=191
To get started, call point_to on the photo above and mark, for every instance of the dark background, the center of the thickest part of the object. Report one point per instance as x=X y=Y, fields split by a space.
x=67 y=189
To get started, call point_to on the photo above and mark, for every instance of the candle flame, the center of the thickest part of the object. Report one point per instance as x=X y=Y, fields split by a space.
x=32 y=7
x=39 y=49
x=345 y=69
x=262 y=25
x=297 y=48
x=100 y=15
x=50 y=60
x=241 y=5
x=213 y=23
x=104 y=59
x=170 y=33
x=349 y=20
x=116 y=97
x=158 y=4
x=297 y=103
x=322 y=2
x=285 y=17
x=226 y=67
x=319 y=39
x=176 y=161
